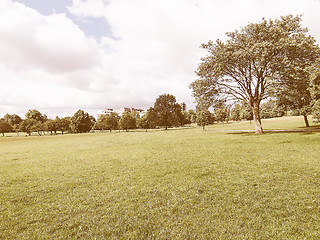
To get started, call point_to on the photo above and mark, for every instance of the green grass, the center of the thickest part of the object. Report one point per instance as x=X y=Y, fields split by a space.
x=176 y=184
x=283 y=123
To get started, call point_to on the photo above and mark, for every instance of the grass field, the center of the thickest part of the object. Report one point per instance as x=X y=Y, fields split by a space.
x=175 y=184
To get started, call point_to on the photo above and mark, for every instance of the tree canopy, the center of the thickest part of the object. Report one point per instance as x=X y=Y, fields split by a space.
x=167 y=111
x=82 y=122
x=249 y=65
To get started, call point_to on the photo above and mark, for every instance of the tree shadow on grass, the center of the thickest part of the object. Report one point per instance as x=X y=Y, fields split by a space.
x=273 y=132
x=317 y=127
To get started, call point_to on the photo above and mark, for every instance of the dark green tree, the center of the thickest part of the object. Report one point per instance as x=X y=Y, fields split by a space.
x=204 y=118
x=127 y=121
x=12 y=119
x=5 y=127
x=52 y=125
x=271 y=109
x=235 y=112
x=248 y=66
x=168 y=111
x=221 y=114
x=64 y=124
x=314 y=89
x=108 y=122
x=245 y=112
x=30 y=125
x=81 y=122
x=192 y=115
x=36 y=115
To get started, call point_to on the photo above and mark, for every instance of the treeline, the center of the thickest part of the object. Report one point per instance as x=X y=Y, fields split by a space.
x=165 y=113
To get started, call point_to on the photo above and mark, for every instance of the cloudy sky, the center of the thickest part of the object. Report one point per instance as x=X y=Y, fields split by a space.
x=63 y=55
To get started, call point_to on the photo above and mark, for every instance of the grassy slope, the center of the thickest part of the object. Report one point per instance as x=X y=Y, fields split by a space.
x=176 y=184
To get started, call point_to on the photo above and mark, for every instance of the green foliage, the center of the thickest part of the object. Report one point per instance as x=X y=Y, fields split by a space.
x=221 y=114
x=235 y=113
x=52 y=125
x=64 y=124
x=204 y=118
x=12 y=119
x=315 y=90
x=148 y=121
x=192 y=116
x=247 y=66
x=316 y=111
x=108 y=122
x=245 y=112
x=82 y=122
x=271 y=109
x=127 y=121
x=167 y=111
x=30 y=125
x=5 y=127
x=36 y=115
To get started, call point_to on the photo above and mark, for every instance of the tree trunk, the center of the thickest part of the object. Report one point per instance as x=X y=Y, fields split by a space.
x=256 y=118
x=203 y=127
x=305 y=117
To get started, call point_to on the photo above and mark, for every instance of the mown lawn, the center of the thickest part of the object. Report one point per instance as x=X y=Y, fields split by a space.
x=175 y=184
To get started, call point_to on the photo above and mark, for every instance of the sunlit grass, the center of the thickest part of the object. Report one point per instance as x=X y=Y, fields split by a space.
x=176 y=184
x=284 y=123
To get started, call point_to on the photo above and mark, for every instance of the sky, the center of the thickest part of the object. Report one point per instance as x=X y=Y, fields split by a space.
x=63 y=55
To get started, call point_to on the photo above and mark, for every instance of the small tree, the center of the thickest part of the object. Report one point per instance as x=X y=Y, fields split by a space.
x=221 y=114
x=5 y=127
x=192 y=115
x=64 y=124
x=167 y=111
x=28 y=126
x=271 y=109
x=127 y=121
x=144 y=123
x=52 y=125
x=235 y=113
x=81 y=122
x=149 y=120
x=12 y=119
x=108 y=122
x=204 y=118
x=245 y=112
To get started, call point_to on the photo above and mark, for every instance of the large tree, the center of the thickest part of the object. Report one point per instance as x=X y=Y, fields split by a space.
x=251 y=62
x=168 y=111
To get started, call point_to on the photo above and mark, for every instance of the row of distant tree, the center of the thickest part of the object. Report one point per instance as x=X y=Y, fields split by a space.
x=165 y=113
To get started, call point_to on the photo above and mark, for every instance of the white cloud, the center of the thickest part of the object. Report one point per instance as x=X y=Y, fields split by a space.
x=48 y=62
x=53 y=43
x=156 y=42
